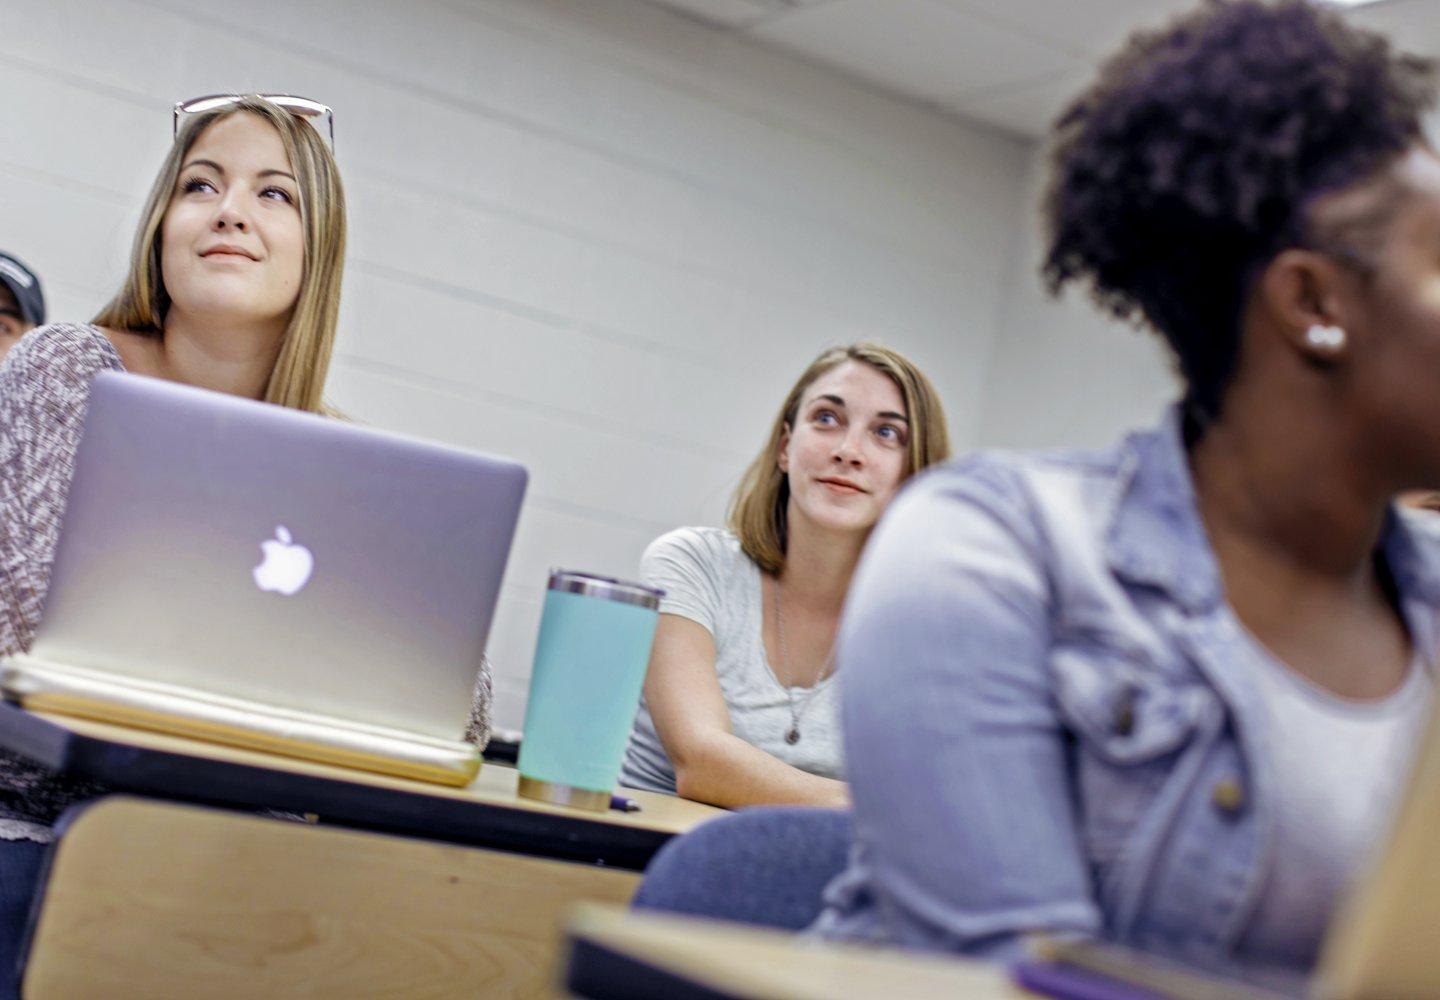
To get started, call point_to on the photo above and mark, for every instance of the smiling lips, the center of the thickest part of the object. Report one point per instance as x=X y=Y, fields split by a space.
x=228 y=250
x=841 y=486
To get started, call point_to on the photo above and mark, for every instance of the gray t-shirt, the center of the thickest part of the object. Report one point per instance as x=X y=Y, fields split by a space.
x=1342 y=760
x=709 y=580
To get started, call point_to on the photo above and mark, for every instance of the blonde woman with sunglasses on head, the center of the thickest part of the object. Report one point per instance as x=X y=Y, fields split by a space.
x=739 y=708
x=234 y=286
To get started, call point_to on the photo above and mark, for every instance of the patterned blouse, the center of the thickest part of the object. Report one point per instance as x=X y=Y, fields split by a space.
x=44 y=392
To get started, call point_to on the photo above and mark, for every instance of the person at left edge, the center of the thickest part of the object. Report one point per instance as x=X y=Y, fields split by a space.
x=22 y=301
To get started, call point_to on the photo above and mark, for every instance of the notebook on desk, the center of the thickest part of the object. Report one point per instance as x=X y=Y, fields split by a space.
x=258 y=576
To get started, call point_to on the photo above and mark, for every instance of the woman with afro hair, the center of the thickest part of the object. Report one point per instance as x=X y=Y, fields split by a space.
x=1167 y=694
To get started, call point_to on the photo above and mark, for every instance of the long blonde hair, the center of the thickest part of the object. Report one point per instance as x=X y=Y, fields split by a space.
x=298 y=378
x=758 y=508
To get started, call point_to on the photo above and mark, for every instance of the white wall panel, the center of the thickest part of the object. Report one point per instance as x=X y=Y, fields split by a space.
x=71 y=234
x=1062 y=372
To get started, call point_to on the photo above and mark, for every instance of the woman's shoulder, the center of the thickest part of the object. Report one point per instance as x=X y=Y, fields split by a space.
x=1005 y=475
x=1038 y=507
x=714 y=548
x=1021 y=490
x=703 y=572
x=61 y=355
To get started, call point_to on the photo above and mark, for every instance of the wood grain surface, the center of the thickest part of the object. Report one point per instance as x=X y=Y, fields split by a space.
x=151 y=899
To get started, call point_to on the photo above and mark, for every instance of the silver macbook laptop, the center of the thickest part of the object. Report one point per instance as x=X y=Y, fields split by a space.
x=263 y=561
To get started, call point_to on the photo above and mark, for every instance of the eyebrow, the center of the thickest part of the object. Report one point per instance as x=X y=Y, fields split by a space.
x=888 y=414
x=6 y=311
x=221 y=170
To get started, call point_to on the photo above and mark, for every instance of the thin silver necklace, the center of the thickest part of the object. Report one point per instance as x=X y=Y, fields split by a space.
x=792 y=735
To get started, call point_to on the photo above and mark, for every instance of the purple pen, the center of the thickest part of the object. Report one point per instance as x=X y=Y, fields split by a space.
x=1066 y=982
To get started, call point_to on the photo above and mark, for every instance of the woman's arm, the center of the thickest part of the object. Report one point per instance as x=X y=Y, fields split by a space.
x=711 y=763
x=44 y=392
x=964 y=803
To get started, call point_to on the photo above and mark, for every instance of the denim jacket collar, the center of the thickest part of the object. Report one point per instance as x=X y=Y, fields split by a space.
x=1411 y=543
x=1156 y=537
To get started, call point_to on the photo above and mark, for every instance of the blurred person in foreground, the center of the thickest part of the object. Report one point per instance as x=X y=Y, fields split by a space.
x=1167 y=694
x=22 y=301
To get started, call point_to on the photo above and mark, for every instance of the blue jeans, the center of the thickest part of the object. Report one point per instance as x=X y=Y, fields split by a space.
x=20 y=862
x=766 y=866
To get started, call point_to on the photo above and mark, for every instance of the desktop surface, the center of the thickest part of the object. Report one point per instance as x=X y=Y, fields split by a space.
x=615 y=952
x=486 y=813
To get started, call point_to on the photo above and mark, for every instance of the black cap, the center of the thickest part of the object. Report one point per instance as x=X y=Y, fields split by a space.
x=25 y=287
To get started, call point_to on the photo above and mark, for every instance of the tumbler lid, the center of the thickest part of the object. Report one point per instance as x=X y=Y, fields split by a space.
x=606 y=588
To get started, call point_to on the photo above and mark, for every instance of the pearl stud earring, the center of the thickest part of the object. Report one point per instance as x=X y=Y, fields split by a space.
x=1325 y=338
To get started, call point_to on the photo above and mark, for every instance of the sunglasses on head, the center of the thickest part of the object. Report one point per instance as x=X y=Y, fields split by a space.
x=300 y=107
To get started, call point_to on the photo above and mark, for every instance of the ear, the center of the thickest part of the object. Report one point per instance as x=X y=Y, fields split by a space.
x=1301 y=292
x=782 y=455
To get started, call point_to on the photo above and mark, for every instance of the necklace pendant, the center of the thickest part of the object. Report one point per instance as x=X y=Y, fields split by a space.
x=793 y=736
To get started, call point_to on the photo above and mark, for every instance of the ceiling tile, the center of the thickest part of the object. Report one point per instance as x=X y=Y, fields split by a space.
x=1090 y=28
x=1010 y=63
x=727 y=13
x=1027 y=111
x=920 y=48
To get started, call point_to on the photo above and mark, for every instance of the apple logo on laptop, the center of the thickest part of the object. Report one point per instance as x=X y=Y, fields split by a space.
x=286 y=566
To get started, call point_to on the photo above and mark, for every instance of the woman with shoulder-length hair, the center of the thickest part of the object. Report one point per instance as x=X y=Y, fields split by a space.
x=1167 y=694
x=739 y=708
x=234 y=285
x=285 y=350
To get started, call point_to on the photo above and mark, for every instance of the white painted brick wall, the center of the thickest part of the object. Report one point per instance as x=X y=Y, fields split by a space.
x=1062 y=374
x=589 y=234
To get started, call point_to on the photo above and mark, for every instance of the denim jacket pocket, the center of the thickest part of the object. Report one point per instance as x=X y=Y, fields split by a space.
x=1131 y=720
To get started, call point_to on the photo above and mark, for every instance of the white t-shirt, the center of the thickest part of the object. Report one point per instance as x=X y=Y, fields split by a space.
x=709 y=580
x=1339 y=770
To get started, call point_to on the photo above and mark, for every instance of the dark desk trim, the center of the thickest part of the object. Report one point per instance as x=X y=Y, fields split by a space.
x=596 y=972
x=197 y=779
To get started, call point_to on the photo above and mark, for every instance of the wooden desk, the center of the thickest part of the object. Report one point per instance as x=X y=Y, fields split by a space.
x=153 y=899
x=156 y=899
x=614 y=953
x=487 y=813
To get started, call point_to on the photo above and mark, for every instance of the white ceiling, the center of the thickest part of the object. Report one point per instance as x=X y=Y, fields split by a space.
x=1010 y=63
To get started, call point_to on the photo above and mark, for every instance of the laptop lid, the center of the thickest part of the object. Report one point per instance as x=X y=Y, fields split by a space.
x=260 y=553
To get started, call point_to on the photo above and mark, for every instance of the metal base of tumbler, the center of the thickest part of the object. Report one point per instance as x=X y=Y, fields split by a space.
x=564 y=795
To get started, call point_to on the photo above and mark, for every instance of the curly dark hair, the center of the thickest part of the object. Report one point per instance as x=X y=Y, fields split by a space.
x=1191 y=161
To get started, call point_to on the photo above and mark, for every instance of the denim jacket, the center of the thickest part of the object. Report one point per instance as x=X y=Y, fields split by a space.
x=1051 y=713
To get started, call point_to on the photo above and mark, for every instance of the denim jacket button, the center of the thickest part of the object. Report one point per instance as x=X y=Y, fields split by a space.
x=1123 y=723
x=1227 y=796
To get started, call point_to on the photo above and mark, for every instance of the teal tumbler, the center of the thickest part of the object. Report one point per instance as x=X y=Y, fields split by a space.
x=590 y=660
